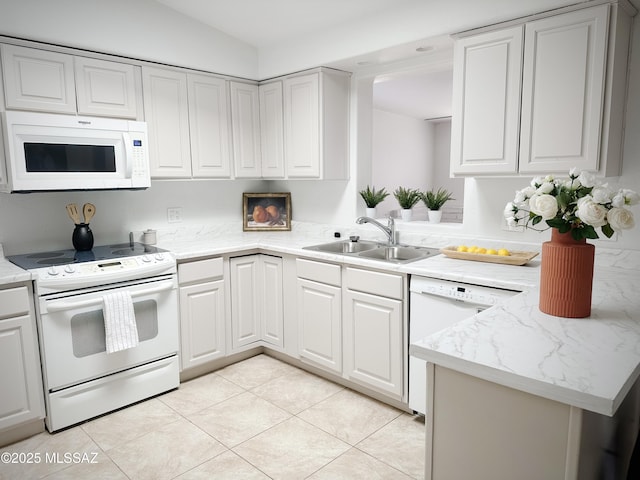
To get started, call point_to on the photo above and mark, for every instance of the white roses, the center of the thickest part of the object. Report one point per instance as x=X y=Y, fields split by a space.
x=579 y=204
x=591 y=212
x=544 y=205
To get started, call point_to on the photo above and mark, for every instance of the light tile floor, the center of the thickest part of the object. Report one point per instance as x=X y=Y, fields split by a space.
x=257 y=419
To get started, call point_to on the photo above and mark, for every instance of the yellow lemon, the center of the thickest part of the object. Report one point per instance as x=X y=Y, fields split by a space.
x=504 y=252
x=492 y=251
x=462 y=248
x=472 y=249
x=481 y=250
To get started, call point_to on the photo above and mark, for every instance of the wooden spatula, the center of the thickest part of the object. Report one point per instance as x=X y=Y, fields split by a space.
x=72 y=210
x=88 y=210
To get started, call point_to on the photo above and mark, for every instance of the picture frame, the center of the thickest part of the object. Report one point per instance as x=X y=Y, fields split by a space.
x=266 y=212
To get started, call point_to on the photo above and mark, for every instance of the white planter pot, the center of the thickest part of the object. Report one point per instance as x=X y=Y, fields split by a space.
x=371 y=212
x=406 y=214
x=435 y=216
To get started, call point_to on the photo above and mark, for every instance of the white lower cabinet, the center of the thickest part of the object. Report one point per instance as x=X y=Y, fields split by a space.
x=21 y=398
x=202 y=312
x=374 y=330
x=319 y=314
x=257 y=312
x=352 y=322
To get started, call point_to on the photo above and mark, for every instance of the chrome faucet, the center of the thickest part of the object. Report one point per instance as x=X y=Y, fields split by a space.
x=389 y=230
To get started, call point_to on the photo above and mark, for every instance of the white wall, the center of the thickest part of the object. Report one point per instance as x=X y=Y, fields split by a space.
x=402 y=155
x=39 y=221
x=142 y=29
x=408 y=22
x=442 y=155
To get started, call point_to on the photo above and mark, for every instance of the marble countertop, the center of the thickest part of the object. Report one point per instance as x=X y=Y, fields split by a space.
x=589 y=363
x=10 y=273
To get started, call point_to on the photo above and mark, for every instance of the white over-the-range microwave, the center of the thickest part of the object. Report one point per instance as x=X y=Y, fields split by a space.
x=52 y=152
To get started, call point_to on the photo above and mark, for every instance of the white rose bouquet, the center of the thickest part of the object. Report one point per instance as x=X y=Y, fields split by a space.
x=580 y=205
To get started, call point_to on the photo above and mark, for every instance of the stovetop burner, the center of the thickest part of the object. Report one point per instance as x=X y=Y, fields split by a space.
x=30 y=261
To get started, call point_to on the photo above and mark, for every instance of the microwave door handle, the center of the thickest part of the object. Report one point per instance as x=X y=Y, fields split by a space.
x=60 y=305
x=128 y=151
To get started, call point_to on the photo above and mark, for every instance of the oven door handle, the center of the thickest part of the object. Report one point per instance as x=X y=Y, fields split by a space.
x=60 y=305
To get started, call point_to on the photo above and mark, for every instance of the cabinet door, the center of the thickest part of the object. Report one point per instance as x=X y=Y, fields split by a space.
x=209 y=118
x=245 y=125
x=271 y=130
x=273 y=301
x=106 y=88
x=21 y=397
x=563 y=91
x=486 y=102
x=202 y=320
x=373 y=347
x=320 y=324
x=246 y=298
x=21 y=394
x=166 y=112
x=302 y=126
x=38 y=80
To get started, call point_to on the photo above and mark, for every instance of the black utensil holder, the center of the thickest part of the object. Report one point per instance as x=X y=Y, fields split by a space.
x=82 y=237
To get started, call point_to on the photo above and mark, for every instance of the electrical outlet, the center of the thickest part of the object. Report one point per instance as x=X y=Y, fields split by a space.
x=174 y=214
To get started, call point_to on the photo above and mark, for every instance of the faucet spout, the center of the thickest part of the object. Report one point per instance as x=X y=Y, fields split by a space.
x=389 y=230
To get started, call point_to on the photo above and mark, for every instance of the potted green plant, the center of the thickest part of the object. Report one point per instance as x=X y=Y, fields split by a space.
x=434 y=200
x=373 y=197
x=407 y=198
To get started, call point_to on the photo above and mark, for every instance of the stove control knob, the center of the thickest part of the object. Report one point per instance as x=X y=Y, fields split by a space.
x=159 y=256
x=146 y=258
x=53 y=271
x=69 y=269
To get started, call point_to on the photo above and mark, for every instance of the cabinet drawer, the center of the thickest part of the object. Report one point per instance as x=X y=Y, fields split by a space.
x=378 y=283
x=14 y=301
x=318 y=271
x=200 y=270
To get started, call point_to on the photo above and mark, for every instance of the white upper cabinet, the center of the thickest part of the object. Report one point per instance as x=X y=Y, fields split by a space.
x=271 y=130
x=316 y=125
x=107 y=89
x=40 y=80
x=167 y=115
x=209 y=124
x=486 y=102
x=563 y=91
x=245 y=128
x=302 y=125
x=188 y=124
x=542 y=97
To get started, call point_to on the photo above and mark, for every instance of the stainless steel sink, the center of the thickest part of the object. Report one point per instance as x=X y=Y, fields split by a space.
x=399 y=254
x=344 y=246
x=376 y=251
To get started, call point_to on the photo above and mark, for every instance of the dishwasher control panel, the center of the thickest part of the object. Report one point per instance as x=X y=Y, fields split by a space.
x=476 y=294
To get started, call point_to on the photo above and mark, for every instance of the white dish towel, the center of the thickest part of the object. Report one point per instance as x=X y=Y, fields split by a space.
x=119 y=321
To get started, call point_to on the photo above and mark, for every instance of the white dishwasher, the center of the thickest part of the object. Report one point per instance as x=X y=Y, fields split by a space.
x=437 y=304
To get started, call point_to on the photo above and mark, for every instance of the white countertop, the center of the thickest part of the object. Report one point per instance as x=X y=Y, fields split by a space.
x=10 y=273
x=589 y=363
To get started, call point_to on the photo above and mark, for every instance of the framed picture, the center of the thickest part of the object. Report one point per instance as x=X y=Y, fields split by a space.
x=266 y=211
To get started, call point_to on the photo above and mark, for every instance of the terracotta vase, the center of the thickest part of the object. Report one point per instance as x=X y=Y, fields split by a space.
x=566 y=276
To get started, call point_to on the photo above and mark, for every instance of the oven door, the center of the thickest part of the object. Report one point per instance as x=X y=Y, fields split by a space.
x=72 y=334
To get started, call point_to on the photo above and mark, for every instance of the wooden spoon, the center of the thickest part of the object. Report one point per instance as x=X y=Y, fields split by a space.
x=72 y=210
x=88 y=210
